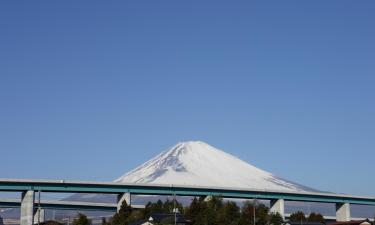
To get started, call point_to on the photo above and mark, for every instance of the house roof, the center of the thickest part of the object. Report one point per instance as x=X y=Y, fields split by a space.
x=139 y=222
x=353 y=222
x=162 y=217
x=159 y=217
x=304 y=223
x=50 y=222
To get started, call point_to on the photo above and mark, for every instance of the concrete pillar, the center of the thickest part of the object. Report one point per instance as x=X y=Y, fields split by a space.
x=39 y=216
x=123 y=197
x=27 y=208
x=278 y=206
x=343 y=212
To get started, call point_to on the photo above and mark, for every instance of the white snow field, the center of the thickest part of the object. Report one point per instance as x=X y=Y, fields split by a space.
x=197 y=163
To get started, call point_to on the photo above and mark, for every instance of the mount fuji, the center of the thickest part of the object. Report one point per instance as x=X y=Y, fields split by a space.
x=196 y=163
x=199 y=164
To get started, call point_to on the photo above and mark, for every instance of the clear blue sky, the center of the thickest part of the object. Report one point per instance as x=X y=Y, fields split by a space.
x=89 y=90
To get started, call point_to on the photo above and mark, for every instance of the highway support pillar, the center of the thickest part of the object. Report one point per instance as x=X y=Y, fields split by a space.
x=278 y=206
x=123 y=197
x=27 y=208
x=39 y=216
x=343 y=212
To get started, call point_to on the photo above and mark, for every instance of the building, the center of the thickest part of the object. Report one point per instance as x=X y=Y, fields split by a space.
x=163 y=218
x=353 y=222
x=50 y=222
x=303 y=223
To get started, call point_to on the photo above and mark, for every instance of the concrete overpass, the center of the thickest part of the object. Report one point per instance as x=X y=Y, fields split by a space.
x=124 y=192
x=65 y=205
x=62 y=205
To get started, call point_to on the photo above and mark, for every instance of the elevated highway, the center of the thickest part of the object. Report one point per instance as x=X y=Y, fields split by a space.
x=65 y=205
x=125 y=190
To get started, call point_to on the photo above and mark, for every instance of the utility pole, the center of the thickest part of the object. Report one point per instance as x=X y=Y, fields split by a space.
x=39 y=207
x=254 y=205
x=174 y=208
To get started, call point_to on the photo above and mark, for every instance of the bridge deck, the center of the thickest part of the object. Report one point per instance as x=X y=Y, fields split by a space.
x=185 y=190
x=66 y=205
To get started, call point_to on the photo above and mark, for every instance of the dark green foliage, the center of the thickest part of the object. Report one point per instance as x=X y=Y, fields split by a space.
x=167 y=221
x=297 y=217
x=81 y=220
x=247 y=214
x=136 y=215
x=315 y=217
x=261 y=216
x=209 y=211
x=275 y=219
x=122 y=217
x=194 y=212
x=160 y=207
x=229 y=214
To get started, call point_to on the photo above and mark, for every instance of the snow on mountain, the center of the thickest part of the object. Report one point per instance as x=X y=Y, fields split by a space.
x=197 y=163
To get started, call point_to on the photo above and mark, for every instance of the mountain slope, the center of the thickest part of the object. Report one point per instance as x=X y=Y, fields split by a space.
x=197 y=163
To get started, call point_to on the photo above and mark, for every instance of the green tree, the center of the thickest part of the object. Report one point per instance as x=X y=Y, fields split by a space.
x=169 y=205
x=229 y=214
x=81 y=220
x=136 y=215
x=122 y=216
x=247 y=214
x=204 y=211
x=275 y=219
x=162 y=207
x=297 y=216
x=261 y=216
x=315 y=217
x=193 y=211
x=154 y=208
x=167 y=221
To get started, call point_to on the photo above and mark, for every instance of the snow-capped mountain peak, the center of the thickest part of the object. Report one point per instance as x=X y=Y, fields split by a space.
x=200 y=164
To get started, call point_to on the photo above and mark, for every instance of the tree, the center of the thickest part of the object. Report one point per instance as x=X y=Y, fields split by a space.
x=169 y=205
x=315 y=217
x=297 y=217
x=209 y=207
x=194 y=210
x=247 y=214
x=204 y=211
x=122 y=216
x=229 y=214
x=261 y=214
x=81 y=220
x=136 y=215
x=275 y=219
x=162 y=207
